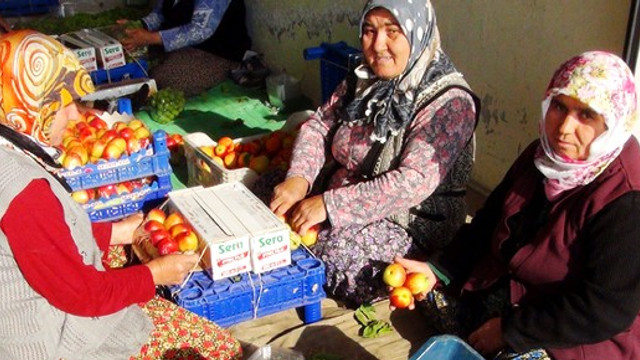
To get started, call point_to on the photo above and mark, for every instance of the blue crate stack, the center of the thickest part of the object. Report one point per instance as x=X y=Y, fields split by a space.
x=335 y=60
x=132 y=167
x=247 y=296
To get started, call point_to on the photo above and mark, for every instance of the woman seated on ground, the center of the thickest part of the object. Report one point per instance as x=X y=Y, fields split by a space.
x=397 y=139
x=549 y=266
x=197 y=41
x=58 y=298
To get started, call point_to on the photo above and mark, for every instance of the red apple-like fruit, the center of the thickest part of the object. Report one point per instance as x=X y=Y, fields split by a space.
x=109 y=135
x=107 y=191
x=114 y=149
x=98 y=123
x=173 y=219
x=98 y=148
x=71 y=161
x=159 y=235
x=167 y=246
x=400 y=297
x=81 y=196
x=124 y=188
x=157 y=214
x=133 y=145
x=135 y=124
x=178 y=229
x=187 y=241
x=417 y=283
x=394 y=275
x=127 y=133
x=153 y=225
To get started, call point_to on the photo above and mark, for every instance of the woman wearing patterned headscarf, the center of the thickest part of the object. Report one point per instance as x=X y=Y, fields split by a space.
x=399 y=133
x=57 y=299
x=550 y=262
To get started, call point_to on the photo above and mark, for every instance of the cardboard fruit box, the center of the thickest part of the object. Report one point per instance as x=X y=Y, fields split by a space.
x=204 y=171
x=237 y=232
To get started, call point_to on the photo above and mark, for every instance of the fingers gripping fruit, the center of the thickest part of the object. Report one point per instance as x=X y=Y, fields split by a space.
x=405 y=286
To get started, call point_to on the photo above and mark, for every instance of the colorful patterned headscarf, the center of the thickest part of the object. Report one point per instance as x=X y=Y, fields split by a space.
x=38 y=77
x=390 y=104
x=605 y=83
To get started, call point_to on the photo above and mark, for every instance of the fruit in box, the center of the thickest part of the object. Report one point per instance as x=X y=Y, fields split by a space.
x=270 y=151
x=90 y=140
x=168 y=233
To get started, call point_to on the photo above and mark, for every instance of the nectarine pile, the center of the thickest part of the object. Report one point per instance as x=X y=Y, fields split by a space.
x=169 y=233
x=104 y=192
x=89 y=139
x=270 y=151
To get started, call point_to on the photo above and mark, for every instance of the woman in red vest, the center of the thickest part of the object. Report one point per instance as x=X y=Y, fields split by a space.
x=548 y=268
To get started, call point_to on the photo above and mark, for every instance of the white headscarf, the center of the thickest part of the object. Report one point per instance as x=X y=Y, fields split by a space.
x=605 y=83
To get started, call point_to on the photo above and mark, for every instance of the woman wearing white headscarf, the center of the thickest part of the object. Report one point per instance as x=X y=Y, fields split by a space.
x=399 y=133
x=550 y=262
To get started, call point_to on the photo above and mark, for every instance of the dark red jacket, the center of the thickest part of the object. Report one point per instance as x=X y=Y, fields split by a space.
x=554 y=260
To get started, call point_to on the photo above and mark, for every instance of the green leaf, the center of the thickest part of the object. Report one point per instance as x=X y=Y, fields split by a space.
x=365 y=314
x=376 y=328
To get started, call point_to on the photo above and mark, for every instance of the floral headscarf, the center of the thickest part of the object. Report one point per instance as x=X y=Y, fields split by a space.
x=390 y=104
x=605 y=83
x=38 y=77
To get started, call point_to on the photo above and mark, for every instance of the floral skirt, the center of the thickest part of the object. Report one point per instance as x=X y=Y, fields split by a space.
x=178 y=333
x=181 y=334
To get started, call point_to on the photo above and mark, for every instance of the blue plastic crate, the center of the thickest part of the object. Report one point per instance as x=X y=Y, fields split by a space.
x=130 y=70
x=13 y=8
x=146 y=162
x=142 y=199
x=446 y=347
x=227 y=302
x=335 y=60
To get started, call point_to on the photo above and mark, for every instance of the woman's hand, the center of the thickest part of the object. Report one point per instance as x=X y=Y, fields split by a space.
x=140 y=37
x=288 y=193
x=172 y=269
x=309 y=212
x=487 y=339
x=123 y=230
x=415 y=266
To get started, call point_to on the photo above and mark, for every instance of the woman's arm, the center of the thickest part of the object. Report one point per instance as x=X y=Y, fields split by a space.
x=45 y=252
x=207 y=15
x=433 y=142
x=605 y=300
x=154 y=19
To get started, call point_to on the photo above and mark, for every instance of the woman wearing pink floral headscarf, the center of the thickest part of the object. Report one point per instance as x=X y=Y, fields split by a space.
x=548 y=269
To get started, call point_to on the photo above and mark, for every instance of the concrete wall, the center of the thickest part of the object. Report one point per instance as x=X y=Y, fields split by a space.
x=507 y=49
